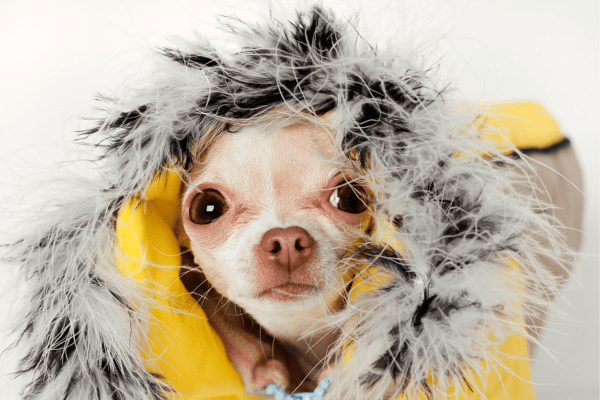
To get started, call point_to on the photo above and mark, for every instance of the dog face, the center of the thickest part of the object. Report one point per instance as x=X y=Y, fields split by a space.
x=269 y=219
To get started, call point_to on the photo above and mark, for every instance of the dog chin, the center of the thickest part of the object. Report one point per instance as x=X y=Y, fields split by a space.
x=282 y=299
x=288 y=316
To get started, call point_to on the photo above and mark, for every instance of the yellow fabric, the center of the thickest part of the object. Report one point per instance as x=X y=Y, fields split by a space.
x=522 y=125
x=185 y=349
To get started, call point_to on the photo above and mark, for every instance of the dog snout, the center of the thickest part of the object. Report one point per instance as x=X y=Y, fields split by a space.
x=287 y=248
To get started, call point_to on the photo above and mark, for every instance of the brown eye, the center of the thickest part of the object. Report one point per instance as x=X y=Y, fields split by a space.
x=207 y=206
x=349 y=198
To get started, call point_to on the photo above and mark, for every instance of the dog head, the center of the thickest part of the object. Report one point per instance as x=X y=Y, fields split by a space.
x=269 y=217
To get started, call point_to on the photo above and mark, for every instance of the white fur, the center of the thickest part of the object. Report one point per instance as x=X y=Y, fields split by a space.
x=245 y=168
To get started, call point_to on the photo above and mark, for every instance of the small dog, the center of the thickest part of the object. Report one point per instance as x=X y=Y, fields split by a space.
x=269 y=217
x=311 y=164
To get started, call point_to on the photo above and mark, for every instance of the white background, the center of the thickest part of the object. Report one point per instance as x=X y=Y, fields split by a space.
x=56 y=55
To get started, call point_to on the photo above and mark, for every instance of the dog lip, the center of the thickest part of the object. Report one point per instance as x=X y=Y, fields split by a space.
x=288 y=291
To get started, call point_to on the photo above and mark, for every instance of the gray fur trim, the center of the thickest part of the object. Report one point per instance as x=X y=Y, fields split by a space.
x=81 y=332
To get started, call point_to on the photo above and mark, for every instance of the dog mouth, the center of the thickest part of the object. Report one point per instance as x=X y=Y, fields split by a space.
x=288 y=292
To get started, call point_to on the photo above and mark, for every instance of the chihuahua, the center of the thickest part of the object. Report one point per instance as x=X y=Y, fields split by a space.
x=269 y=218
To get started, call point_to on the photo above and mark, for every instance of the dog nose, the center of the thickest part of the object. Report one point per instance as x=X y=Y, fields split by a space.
x=288 y=247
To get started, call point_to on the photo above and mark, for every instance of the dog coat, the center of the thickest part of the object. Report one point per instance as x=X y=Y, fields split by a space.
x=441 y=284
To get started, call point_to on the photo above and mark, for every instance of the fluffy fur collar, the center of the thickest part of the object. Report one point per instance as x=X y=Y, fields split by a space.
x=447 y=297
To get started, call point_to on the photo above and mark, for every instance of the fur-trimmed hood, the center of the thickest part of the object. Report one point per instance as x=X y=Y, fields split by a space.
x=444 y=278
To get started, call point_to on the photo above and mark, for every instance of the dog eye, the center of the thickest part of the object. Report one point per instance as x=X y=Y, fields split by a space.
x=349 y=198
x=207 y=206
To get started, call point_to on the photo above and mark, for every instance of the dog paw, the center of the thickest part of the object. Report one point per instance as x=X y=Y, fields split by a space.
x=271 y=371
